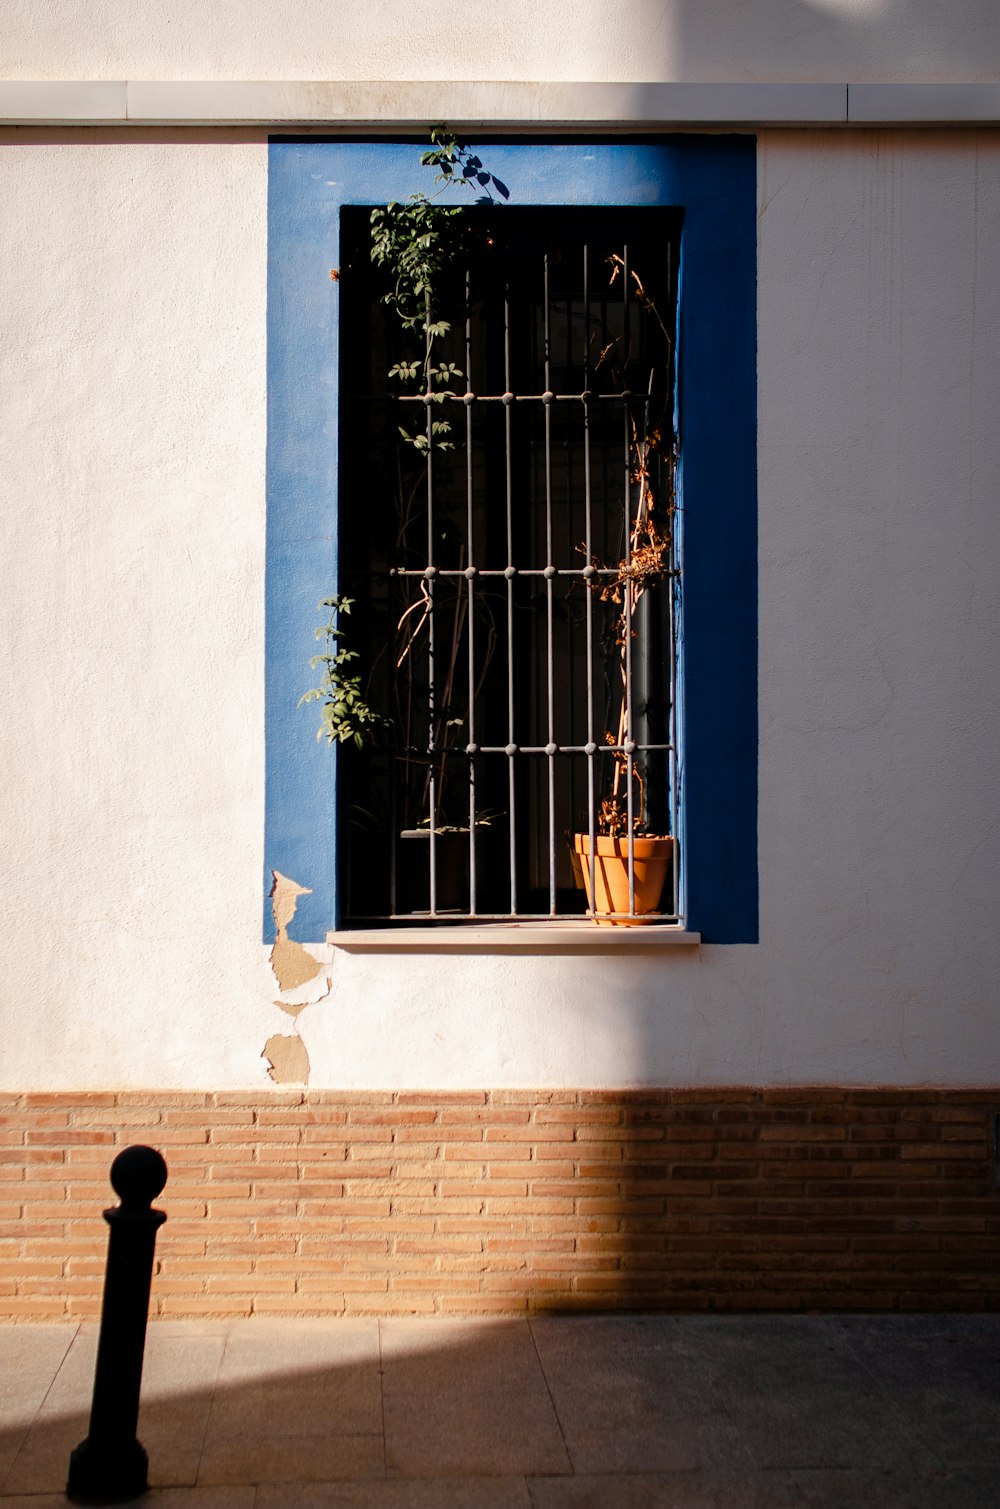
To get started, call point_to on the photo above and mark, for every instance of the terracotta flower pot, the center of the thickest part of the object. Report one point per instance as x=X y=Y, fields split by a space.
x=653 y=859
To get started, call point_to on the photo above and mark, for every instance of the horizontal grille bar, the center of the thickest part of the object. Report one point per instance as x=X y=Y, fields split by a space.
x=578 y=917
x=627 y=395
x=586 y=573
x=543 y=749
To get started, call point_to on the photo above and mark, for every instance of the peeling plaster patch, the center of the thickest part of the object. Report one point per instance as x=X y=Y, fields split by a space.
x=285 y=895
x=292 y=1007
x=313 y=990
x=287 y=1060
x=295 y=1000
x=293 y=965
x=302 y=980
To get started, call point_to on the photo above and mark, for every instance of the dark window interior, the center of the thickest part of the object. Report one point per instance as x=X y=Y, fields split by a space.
x=538 y=307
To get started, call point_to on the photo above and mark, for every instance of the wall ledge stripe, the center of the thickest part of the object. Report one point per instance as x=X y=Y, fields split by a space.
x=521 y=105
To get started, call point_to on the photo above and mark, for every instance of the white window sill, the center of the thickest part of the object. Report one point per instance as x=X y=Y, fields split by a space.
x=515 y=938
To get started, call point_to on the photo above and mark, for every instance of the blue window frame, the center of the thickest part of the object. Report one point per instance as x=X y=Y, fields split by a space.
x=712 y=180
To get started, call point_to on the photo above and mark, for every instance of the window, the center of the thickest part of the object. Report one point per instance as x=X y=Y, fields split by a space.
x=493 y=561
x=691 y=198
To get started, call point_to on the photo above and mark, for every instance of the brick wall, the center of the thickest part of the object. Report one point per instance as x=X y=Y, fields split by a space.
x=514 y=1201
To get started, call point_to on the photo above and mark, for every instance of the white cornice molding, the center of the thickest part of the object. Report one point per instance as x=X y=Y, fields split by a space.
x=923 y=104
x=49 y=102
x=480 y=104
x=518 y=106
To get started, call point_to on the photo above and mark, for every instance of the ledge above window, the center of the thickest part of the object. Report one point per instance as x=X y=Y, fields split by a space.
x=381 y=105
x=582 y=937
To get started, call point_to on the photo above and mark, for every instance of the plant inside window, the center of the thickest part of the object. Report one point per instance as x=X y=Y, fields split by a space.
x=507 y=536
x=624 y=867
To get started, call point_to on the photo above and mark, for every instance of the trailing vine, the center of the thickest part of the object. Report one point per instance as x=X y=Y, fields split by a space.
x=418 y=242
x=647 y=562
x=423 y=247
x=347 y=715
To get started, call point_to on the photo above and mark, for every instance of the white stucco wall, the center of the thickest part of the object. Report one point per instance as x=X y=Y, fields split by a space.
x=132 y=392
x=684 y=40
x=132 y=316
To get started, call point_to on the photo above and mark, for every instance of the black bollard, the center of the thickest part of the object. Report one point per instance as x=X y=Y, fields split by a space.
x=111 y=1465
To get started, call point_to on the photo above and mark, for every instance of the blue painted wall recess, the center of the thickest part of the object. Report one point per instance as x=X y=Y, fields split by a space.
x=713 y=180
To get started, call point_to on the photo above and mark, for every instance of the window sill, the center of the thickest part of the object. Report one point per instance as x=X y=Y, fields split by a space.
x=515 y=938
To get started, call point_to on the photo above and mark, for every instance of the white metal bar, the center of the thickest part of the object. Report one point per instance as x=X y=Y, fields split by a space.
x=470 y=603
x=549 y=574
x=591 y=745
x=626 y=723
x=509 y=573
x=429 y=588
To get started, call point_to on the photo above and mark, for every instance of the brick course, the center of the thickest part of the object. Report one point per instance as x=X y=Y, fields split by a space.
x=513 y=1202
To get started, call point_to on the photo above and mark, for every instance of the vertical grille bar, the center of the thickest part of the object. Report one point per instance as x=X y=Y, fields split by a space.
x=509 y=572
x=672 y=728
x=549 y=587
x=625 y=721
x=673 y=611
x=588 y=594
x=569 y=541
x=470 y=604
x=429 y=589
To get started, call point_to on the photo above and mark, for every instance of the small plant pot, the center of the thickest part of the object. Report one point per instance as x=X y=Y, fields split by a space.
x=653 y=860
x=451 y=870
x=413 y=871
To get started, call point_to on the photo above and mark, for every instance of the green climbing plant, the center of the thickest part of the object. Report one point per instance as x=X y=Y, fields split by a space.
x=417 y=242
x=346 y=713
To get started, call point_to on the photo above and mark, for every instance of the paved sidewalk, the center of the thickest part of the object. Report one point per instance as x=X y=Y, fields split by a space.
x=693 y=1412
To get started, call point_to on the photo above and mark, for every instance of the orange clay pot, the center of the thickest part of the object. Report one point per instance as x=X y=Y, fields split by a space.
x=653 y=858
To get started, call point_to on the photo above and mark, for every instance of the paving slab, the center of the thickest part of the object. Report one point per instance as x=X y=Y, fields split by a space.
x=178 y=1385
x=943 y=1377
x=800 y=1397
x=632 y=1396
x=402 y=1493
x=826 y=1489
x=289 y=1343
x=170 y=1326
x=297 y=1459
x=30 y=1357
x=466 y=1398
x=163 y=1498
x=669 y=1490
x=296 y=1401
x=178 y=1389
x=321 y=1377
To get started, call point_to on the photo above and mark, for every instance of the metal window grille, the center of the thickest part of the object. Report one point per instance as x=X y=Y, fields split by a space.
x=484 y=570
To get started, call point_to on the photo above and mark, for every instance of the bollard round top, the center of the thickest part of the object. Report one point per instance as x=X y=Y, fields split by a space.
x=137 y=1175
